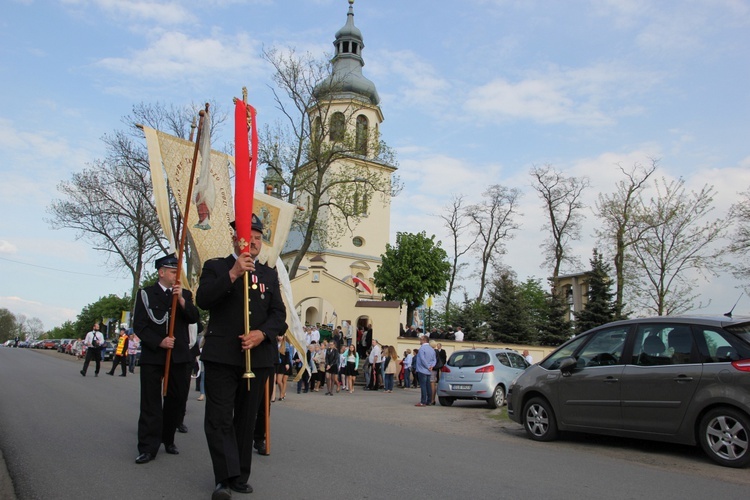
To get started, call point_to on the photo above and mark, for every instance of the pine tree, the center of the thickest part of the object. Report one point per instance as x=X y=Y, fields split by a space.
x=508 y=317
x=556 y=329
x=600 y=308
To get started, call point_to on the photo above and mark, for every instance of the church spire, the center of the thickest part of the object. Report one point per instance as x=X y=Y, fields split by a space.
x=346 y=79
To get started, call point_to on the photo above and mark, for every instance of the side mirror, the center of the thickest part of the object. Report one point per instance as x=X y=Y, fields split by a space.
x=567 y=365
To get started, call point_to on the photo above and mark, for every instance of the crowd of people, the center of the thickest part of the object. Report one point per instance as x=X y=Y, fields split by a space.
x=449 y=333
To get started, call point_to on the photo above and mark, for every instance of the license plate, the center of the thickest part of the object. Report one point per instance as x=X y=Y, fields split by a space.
x=459 y=387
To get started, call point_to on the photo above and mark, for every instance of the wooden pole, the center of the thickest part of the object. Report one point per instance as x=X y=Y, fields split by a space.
x=182 y=233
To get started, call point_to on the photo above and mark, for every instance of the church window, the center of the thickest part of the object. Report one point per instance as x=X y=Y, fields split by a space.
x=357 y=241
x=362 y=132
x=338 y=123
x=317 y=127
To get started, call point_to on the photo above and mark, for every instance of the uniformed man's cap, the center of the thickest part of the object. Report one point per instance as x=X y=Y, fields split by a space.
x=257 y=225
x=169 y=261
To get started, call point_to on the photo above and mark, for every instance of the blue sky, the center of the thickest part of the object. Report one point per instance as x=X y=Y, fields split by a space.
x=474 y=93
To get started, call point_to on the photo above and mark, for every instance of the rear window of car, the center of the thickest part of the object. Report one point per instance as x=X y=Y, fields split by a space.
x=742 y=331
x=469 y=359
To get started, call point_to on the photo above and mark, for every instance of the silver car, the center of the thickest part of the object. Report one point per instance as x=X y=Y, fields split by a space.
x=479 y=374
x=675 y=379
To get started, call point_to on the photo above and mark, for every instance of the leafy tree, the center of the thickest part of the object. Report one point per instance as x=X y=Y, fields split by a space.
x=65 y=331
x=9 y=326
x=618 y=212
x=599 y=308
x=494 y=222
x=413 y=269
x=106 y=308
x=562 y=200
x=319 y=164
x=676 y=239
x=534 y=297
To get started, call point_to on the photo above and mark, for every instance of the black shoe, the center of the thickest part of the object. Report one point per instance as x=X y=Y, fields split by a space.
x=182 y=428
x=96 y=374
x=83 y=373
x=239 y=487
x=144 y=458
x=171 y=449
x=260 y=445
x=110 y=374
x=122 y=375
x=221 y=492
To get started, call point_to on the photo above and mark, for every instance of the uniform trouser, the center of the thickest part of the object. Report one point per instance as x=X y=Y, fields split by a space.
x=159 y=418
x=229 y=422
x=118 y=360
x=94 y=354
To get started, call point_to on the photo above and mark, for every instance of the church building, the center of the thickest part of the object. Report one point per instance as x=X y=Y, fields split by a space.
x=334 y=282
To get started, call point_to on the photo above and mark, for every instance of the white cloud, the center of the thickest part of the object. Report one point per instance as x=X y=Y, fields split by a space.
x=175 y=56
x=6 y=247
x=591 y=96
x=50 y=315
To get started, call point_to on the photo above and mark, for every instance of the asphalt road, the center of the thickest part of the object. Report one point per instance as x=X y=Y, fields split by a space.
x=64 y=436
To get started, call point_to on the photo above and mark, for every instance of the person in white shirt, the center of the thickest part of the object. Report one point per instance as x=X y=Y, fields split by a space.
x=459 y=334
x=374 y=360
x=528 y=357
x=93 y=341
x=315 y=335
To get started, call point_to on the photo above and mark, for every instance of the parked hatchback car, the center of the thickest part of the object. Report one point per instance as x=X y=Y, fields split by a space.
x=479 y=374
x=676 y=379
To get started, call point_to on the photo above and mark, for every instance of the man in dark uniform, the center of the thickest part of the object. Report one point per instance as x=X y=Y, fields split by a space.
x=158 y=419
x=231 y=409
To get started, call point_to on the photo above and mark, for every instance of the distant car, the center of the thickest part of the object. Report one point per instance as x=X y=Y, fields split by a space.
x=69 y=347
x=675 y=379
x=63 y=344
x=479 y=374
x=50 y=344
x=108 y=351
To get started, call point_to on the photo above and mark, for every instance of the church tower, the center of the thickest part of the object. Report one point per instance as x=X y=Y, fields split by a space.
x=347 y=111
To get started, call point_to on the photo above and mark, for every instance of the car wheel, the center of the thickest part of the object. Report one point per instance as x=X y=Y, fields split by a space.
x=723 y=434
x=498 y=398
x=444 y=401
x=539 y=420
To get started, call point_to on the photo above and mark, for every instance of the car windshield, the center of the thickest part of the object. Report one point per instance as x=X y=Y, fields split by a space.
x=469 y=359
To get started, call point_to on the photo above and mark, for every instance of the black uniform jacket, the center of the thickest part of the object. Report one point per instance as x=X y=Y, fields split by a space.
x=151 y=334
x=225 y=302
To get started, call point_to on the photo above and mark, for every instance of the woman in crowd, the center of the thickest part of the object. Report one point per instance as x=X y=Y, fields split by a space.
x=284 y=368
x=319 y=358
x=342 y=368
x=133 y=344
x=434 y=374
x=352 y=365
x=391 y=367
